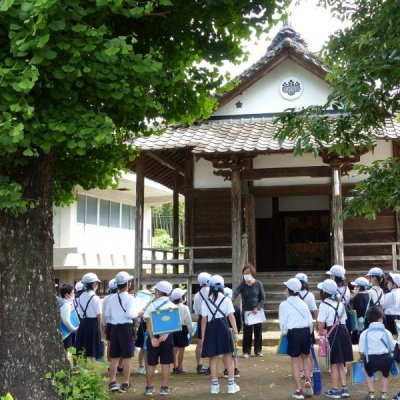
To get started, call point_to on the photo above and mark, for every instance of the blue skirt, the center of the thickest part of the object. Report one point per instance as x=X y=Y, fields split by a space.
x=217 y=339
x=181 y=337
x=88 y=338
x=340 y=342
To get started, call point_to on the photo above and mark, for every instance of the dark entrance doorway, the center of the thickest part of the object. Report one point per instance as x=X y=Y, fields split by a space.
x=293 y=240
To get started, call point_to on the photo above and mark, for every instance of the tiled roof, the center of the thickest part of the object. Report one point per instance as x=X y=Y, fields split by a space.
x=286 y=38
x=234 y=136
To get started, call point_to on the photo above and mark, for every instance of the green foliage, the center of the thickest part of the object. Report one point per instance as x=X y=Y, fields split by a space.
x=378 y=192
x=80 y=79
x=80 y=383
x=6 y=397
x=162 y=240
x=364 y=60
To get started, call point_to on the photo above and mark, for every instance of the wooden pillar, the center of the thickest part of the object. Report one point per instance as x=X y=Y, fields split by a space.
x=277 y=258
x=188 y=190
x=236 y=217
x=250 y=221
x=175 y=217
x=140 y=171
x=336 y=214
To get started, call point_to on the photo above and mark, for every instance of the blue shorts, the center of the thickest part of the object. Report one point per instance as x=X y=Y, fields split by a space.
x=121 y=341
x=163 y=354
x=378 y=362
x=299 y=341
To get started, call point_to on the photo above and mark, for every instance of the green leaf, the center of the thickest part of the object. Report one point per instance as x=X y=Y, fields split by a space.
x=43 y=40
x=6 y=4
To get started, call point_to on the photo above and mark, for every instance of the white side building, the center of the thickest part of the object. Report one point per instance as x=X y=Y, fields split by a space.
x=97 y=233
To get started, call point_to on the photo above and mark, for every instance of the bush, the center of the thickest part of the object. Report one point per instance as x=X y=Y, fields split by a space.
x=7 y=397
x=162 y=240
x=80 y=383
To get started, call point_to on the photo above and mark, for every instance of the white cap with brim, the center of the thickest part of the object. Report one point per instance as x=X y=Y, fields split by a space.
x=79 y=286
x=396 y=278
x=203 y=278
x=89 y=278
x=177 y=293
x=293 y=284
x=328 y=286
x=112 y=284
x=216 y=281
x=164 y=287
x=375 y=271
x=122 y=277
x=302 y=277
x=362 y=282
x=337 y=270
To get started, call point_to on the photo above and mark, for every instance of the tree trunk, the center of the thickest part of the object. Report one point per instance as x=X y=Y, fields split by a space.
x=29 y=317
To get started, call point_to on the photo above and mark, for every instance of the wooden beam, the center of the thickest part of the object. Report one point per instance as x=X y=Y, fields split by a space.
x=260 y=173
x=336 y=212
x=175 y=219
x=140 y=173
x=297 y=190
x=250 y=221
x=236 y=218
x=166 y=162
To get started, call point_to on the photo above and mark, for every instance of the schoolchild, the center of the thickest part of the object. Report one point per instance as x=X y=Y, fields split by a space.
x=160 y=348
x=120 y=312
x=89 y=309
x=199 y=297
x=309 y=298
x=392 y=303
x=375 y=347
x=377 y=281
x=79 y=289
x=216 y=336
x=361 y=303
x=181 y=338
x=331 y=322
x=139 y=342
x=295 y=321
x=106 y=320
x=67 y=296
x=238 y=318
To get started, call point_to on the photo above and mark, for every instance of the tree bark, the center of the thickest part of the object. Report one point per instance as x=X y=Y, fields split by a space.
x=30 y=342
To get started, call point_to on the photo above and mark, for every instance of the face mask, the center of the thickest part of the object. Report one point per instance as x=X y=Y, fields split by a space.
x=247 y=277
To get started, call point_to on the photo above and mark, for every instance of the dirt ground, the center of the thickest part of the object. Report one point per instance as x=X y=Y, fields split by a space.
x=266 y=378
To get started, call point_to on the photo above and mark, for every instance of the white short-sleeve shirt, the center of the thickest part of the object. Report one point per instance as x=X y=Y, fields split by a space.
x=377 y=296
x=159 y=304
x=375 y=337
x=94 y=308
x=294 y=313
x=120 y=309
x=198 y=299
x=225 y=308
x=327 y=314
x=392 y=302
x=309 y=299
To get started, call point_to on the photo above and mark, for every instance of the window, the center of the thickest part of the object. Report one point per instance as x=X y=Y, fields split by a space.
x=91 y=210
x=104 y=216
x=114 y=214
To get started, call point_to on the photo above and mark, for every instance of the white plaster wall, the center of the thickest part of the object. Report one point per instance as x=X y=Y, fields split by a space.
x=264 y=95
x=204 y=177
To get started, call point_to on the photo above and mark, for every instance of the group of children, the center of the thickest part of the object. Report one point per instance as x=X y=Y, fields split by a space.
x=124 y=326
x=375 y=327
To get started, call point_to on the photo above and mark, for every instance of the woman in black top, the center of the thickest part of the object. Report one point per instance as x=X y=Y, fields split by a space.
x=253 y=297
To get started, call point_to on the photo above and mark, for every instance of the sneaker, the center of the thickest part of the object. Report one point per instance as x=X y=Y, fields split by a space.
x=332 y=393
x=344 y=392
x=113 y=387
x=308 y=389
x=164 y=391
x=237 y=373
x=298 y=394
x=384 y=396
x=225 y=373
x=142 y=370
x=371 y=396
x=246 y=355
x=232 y=389
x=397 y=397
x=149 y=391
x=214 y=389
x=259 y=355
x=201 y=369
x=124 y=387
x=120 y=370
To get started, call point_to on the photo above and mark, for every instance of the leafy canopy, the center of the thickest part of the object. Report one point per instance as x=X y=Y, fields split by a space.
x=78 y=79
x=365 y=76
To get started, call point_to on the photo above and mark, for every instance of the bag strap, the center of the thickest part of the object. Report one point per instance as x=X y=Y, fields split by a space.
x=162 y=304
x=369 y=330
x=378 y=301
x=217 y=308
x=87 y=305
x=303 y=297
x=120 y=302
x=298 y=311
x=338 y=318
